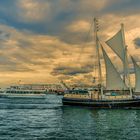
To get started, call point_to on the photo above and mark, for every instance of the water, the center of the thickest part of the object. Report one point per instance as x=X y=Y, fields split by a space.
x=37 y=119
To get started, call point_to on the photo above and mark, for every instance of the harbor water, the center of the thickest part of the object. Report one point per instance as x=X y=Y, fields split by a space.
x=47 y=119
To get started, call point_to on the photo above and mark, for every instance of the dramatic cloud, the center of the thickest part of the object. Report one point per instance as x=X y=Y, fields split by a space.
x=69 y=70
x=33 y=10
x=137 y=42
x=49 y=40
x=79 y=26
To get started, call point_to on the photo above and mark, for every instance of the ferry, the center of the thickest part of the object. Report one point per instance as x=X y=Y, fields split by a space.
x=22 y=92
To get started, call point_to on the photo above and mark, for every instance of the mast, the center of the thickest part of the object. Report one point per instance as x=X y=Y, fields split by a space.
x=124 y=63
x=126 y=75
x=98 y=55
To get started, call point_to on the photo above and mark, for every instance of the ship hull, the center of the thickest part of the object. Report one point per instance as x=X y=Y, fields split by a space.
x=129 y=103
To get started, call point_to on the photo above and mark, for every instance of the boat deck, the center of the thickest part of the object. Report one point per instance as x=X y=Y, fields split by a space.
x=97 y=97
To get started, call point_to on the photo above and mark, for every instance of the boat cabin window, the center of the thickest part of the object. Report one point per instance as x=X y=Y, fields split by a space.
x=82 y=92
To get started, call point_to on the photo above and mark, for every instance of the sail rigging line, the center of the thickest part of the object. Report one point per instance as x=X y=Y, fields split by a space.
x=83 y=47
x=86 y=39
x=78 y=60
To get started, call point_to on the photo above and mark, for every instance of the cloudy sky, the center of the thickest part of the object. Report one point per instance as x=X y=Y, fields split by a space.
x=43 y=41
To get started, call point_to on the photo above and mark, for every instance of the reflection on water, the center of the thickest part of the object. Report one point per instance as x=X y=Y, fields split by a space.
x=47 y=119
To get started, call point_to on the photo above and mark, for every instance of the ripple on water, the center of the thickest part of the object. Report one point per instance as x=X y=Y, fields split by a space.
x=48 y=119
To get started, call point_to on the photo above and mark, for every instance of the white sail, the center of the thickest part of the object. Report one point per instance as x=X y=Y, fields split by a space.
x=137 y=75
x=113 y=78
x=117 y=45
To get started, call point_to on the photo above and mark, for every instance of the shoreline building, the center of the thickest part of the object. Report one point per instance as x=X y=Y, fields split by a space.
x=36 y=87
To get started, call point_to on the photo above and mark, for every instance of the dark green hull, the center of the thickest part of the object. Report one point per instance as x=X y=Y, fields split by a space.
x=129 y=103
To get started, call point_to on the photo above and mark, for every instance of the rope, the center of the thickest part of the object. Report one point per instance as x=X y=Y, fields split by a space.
x=86 y=39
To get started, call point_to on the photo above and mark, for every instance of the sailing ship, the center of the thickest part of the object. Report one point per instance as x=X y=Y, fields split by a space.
x=118 y=92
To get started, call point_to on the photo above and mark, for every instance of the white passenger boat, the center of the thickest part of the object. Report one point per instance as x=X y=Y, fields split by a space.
x=22 y=93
